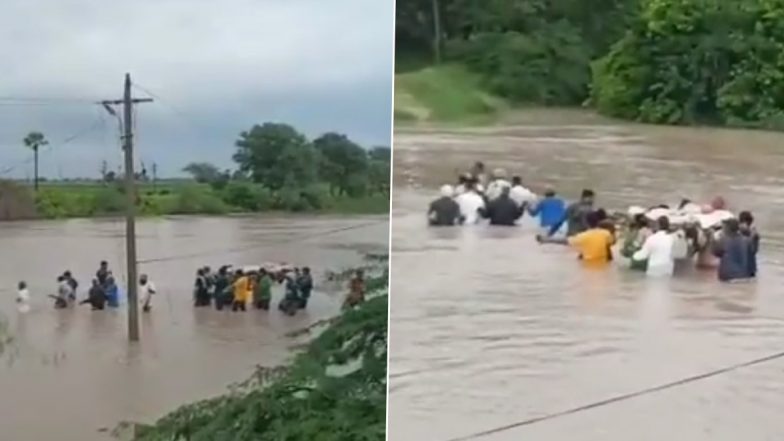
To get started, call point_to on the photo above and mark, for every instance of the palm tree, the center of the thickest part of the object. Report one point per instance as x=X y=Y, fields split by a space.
x=34 y=140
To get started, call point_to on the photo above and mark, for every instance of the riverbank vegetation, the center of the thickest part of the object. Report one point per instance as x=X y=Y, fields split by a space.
x=658 y=61
x=334 y=389
x=278 y=169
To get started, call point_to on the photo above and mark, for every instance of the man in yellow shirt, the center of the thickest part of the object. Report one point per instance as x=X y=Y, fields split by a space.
x=593 y=244
x=242 y=291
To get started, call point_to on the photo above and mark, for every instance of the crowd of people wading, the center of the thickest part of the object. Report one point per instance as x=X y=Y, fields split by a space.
x=228 y=288
x=659 y=240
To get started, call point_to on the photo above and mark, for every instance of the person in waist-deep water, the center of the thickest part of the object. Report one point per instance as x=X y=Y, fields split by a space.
x=502 y=211
x=63 y=293
x=497 y=184
x=222 y=288
x=550 y=210
x=305 y=285
x=112 y=293
x=734 y=251
x=356 y=294
x=103 y=273
x=22 y=297
x=593 y=245
x=147 y=291
x=747 y=228
x=209 y=277
x=262 y=293
x=444 y=211
x=73 y=284
x=241 y=287
x=289 y=304
x=657 y=251
x=521 y=195
x=575 y=215
x=96 y=297
x=201 y=292
x=637 y=233
x=470 y=203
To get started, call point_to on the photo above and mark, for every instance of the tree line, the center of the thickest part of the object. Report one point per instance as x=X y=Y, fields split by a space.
x=280 y=158
x=661 y=61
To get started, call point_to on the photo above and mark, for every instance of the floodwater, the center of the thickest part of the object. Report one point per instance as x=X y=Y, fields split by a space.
x=73 y=373
x=490 y=330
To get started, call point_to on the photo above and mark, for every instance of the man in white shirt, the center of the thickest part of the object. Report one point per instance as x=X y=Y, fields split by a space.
x=497 y=185
x=521 y=195
x=147 y=289
x=657 y=250
x=470 y=203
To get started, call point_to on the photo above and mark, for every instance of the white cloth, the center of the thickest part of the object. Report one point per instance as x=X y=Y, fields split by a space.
x=522 y=195
x=470 y=203
x=64 y=290
x=657 y=250
x=495 y=188
x=147 y=290
x=23 y=300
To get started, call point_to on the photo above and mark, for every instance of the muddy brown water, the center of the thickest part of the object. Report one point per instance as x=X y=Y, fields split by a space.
x=489 y=329
x=72 y=372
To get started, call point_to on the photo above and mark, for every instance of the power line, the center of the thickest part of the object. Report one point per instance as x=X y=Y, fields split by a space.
x=98 y=123
x=619 y=398
x=34 y=101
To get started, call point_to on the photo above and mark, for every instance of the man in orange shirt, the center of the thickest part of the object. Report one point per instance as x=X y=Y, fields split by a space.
x=242 y=291
x=593 y=244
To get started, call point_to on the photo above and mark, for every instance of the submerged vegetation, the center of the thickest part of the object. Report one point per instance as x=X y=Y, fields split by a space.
x=334 y=390
x=278 y=169
x=659 y=61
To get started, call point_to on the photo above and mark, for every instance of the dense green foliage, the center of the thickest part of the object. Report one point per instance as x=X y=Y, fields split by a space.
x=527 y=50
x=63 y=200
x=698 y=61
x=334 y=390
x=661 y=61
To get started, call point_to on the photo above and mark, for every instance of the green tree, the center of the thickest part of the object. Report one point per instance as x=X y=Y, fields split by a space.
x=379 y=169
x=276 y=155
x=34 y=141
x=344 y=163
x=203 y=172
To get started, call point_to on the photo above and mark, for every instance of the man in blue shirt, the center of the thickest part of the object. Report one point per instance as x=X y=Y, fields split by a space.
x=550 y=209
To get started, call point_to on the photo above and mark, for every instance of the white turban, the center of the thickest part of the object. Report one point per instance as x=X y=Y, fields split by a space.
x=447 y=191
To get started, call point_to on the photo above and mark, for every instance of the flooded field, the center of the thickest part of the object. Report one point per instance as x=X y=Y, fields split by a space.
x=491 y=331
x=72 y=372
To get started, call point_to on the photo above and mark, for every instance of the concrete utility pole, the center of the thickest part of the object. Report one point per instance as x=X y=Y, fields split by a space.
x=130 y=192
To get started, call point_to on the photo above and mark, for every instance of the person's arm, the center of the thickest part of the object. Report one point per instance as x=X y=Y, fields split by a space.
x=755 y=241
x=534 y=209
x=645 y=252
x=557 y=226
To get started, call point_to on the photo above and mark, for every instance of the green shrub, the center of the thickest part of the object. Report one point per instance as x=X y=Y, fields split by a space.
x=247 y=196
x=197 y=200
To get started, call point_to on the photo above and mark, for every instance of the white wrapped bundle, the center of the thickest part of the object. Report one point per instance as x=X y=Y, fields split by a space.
x=689 y=214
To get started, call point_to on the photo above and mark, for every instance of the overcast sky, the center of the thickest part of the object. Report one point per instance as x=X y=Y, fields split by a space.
x=216 y=67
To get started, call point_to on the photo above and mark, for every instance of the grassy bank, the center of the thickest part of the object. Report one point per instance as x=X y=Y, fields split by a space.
x=444 y=94
x=60 y=200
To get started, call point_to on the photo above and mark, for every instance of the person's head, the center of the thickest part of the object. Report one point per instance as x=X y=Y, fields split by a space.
x=95 y=282
x=639 y=221
x=222 y=270
x=143 y=279
x=238 y=273
x=200 y=272
x=731 y=226
x=517 y=180
x=60 y=278
x=479 y=166
x=663 y=223
x=207 y=269
x=262 y=272
x=601 y=214
x=462 y=180
x=718 y=203
x=746 y=218
x=549 y=193
x=447 y=191
x=592 y=220
x=587 y=196
x=104 y=264
x=684 y=203
x=306 y=270
x=22 y=285
x=67 y=274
